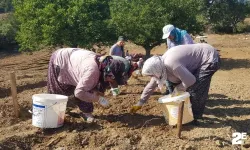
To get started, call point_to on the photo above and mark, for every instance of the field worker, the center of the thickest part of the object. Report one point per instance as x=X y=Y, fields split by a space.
x=127 y=53
x=84 y=74
x=140 y=65
x=189 y=67
x=128 y=58
x=175 y=36
x=118 y=48
x=129 y=68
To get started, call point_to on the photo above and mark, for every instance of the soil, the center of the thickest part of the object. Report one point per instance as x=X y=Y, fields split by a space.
x=227 y=110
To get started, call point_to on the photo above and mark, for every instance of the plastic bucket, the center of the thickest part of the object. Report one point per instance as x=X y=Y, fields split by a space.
x=48 y=110
x=170 y=107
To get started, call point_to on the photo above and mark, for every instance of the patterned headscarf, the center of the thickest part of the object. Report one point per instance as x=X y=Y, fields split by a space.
x=112 y=68
x=105 y=63
x=118 y=70
x=155 y=67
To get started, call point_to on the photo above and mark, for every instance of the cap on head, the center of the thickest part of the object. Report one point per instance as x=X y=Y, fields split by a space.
x=121 y=38
x=166 y=31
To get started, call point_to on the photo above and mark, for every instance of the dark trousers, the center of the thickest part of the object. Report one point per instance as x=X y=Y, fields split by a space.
x=199 y=90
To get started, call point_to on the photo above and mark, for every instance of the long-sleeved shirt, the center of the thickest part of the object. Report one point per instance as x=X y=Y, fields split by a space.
x=116 y=50
x=186 y=39
x=181 y=62
x=78 y=68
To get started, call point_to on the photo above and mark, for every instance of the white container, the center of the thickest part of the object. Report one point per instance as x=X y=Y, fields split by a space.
x=170 y=107
x=48 y=110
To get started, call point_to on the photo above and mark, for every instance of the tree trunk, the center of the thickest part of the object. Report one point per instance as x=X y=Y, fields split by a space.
x=235 y=28
x=148 y=49
x=235 y=25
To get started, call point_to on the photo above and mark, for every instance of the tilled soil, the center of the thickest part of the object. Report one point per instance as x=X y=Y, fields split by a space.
x=227 y=111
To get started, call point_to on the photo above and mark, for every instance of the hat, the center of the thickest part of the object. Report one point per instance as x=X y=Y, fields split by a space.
x=166 y=31
x=121 y=38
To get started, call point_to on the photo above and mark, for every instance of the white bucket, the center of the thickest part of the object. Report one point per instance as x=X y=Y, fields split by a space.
x=170 y=107
x=48 y=110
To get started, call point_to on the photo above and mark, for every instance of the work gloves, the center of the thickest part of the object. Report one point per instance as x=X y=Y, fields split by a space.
x=115 y=91
x=137 y=106
x=104 y=102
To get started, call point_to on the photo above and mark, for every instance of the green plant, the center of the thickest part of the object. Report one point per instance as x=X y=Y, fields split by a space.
x=5 y=6
x=224 y=15
x=8 y=29
x=243 y=27
x=142 y=20
x=62 y=22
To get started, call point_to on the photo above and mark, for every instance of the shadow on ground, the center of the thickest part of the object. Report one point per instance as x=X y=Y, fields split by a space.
x=229 y=63
x=6 y=92
x=224 y=110
x=134 y=120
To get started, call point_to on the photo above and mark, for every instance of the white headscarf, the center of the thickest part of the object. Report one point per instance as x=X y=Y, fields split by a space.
x=154 y=66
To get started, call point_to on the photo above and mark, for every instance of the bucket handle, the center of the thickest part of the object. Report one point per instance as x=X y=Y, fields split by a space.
x=31 y=112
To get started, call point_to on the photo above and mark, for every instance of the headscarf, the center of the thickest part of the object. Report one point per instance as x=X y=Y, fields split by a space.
x=155 y=67
x=178 y=35
x=112 y=68
x=105 y=62
x=118 y=70
x=133 y=67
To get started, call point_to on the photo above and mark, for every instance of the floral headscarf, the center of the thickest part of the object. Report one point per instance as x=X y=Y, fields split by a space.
x=112 y=68
x=105 y=63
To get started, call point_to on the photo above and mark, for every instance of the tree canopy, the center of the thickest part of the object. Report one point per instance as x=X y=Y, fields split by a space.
x=62 y=22
x=224 y=15
x=8 y=29
x=5 y=6
x=142 y=21
x=87 y=22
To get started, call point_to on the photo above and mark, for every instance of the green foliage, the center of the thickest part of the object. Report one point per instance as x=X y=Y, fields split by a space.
x=142 y=20
x=243 y=27
x=225 y=14
x=185 y=14
x=62 y=22
x=5 y=6
x=87 y=22
x=8 y=29
x=247 y=7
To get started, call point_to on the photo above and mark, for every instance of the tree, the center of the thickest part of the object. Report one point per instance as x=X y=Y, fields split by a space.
x=142 y=21
x=5 y=6
x=62 y=22
x=8 y=29
x=225 y=14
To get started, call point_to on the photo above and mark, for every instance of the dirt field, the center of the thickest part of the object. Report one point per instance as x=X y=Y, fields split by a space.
x=227 y=111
